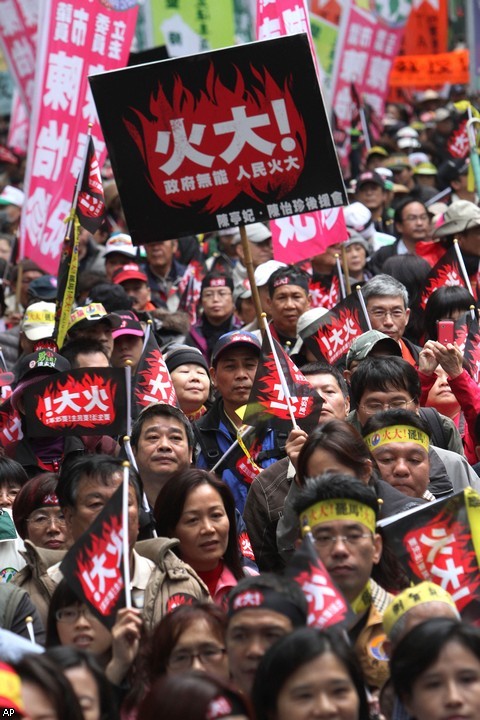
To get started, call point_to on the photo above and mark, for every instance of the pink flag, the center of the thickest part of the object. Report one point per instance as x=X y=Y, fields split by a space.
x=19 y=125
x=18 y=30
x=303 y=236
x=75 y=40
x=299 y=236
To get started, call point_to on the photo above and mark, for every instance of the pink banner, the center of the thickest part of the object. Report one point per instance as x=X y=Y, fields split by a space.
x=75 y=40
x=18 y=30
x=367 y=46
x=19 y=125
x=299 y=237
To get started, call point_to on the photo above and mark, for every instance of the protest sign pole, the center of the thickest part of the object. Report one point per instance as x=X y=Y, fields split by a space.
x=473 y=312
x=126 y=547
x=364 y=307
x=345 y=269
x=340 y=276
x=281 y=375
x=462 y=265
x=248 y=262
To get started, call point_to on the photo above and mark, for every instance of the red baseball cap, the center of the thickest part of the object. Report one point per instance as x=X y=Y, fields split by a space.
x=131 y=271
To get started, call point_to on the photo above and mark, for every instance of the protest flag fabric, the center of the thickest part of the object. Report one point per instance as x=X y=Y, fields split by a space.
x=10 y=426
x=86 y=401
x=94 y=565
x=90 y=208
x=267 y=403
x=240 y=457
x=337 y=330
x=471 y=350
x=152 y=382
x=324 y=290
x=326 y=604
x=446 y=273
x=440 y=542
x=190 y=288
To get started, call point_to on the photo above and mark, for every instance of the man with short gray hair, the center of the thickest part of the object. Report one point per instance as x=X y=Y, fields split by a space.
x=386 y=300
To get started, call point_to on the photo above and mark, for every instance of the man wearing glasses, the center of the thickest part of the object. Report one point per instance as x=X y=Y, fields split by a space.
x=342 y=513
x=386 y=300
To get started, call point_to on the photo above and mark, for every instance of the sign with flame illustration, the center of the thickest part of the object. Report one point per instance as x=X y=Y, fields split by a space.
x=219 y=139
x=77 y=402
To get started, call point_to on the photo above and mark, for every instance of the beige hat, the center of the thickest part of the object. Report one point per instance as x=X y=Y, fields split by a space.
x=460 y=216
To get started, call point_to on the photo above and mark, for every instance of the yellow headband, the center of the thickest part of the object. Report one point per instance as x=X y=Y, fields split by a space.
x=411 y=597
x=396 y=433
x=336 y=509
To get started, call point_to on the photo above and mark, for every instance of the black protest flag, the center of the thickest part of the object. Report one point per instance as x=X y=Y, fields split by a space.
x=152 y=382
x=471 y=351
x=438 y=542
x=324 y=290
x=326 y=604
x=94 y=566
x=85 y=401
x=240 y=457
x=267 y=402
x=446 y=273
x=90 y=208
x=337 y=330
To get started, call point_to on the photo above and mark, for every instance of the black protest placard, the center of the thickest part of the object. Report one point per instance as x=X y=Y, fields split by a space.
x=219 y=139
x=86 y=401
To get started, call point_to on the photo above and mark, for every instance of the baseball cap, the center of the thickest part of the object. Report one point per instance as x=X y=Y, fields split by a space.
x=377 y=150
x=94 y=312
x=359 y=218
x=131 y=271
x=399 y=161
x=235 y=338
x=264 y=271
x=363 y=345
x=425 y=168
x=242 y=291
x=404 y=143
x=43 y=288
x=370 y=177
x=12 y=196
x=459 y=217
x=11 y=690
x=256 y=233
x=120 y=243
x=39 y=321
x=129 y=325
x=309 y=321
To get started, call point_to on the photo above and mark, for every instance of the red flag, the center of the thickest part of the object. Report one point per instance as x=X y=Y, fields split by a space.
x=86 y=401
x=337 y=330
x=267 y=397
x=446 y=273
x=324 y=294
x=152 y=382
x=355 y=122
x=326 y=604
x=438 y=542
x=90 y=208
x=93 y=567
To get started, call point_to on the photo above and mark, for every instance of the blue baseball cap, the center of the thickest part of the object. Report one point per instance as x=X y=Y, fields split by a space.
x=235 y=338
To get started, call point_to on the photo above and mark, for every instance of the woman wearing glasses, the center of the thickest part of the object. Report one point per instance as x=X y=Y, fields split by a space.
x=37 y=514
x=72 y=623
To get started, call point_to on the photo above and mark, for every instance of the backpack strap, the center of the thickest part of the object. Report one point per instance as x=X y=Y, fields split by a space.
x=432 y=418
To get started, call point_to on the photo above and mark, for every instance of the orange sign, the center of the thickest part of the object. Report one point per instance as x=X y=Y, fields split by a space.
x=430 y=70
x=426 y=29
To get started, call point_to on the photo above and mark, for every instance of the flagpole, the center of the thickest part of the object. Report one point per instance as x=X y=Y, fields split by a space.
x=126 y=546
x=366 y=134
x=364 y=307
x=128 y=390
x=462 y=265
x=248 y=262
x=283 y=382
x=473 y=312
x=232 y=447
x=472 y=140
x=340 y=276
x=345 y=269
x=148 y=330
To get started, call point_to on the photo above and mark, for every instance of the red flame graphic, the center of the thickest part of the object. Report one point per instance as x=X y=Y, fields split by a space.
x=104 y=602
x=202 y=116
x=459 y=551
x=49 y=413
x=154 y=369
x=334 y=339
x=447 y=276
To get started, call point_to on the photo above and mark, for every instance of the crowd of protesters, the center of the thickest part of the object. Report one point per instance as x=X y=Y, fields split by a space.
x=216 y=628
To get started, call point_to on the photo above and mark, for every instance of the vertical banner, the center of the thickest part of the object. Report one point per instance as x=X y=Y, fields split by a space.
x=472 y=10
x=18 y=128
x=367 y=46
x=304 y=235
x=188 y=27
x=426 y=31
x=18 y=31
x=75 y=39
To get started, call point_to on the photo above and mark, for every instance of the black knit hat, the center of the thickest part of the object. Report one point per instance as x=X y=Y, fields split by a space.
x=182 y=355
